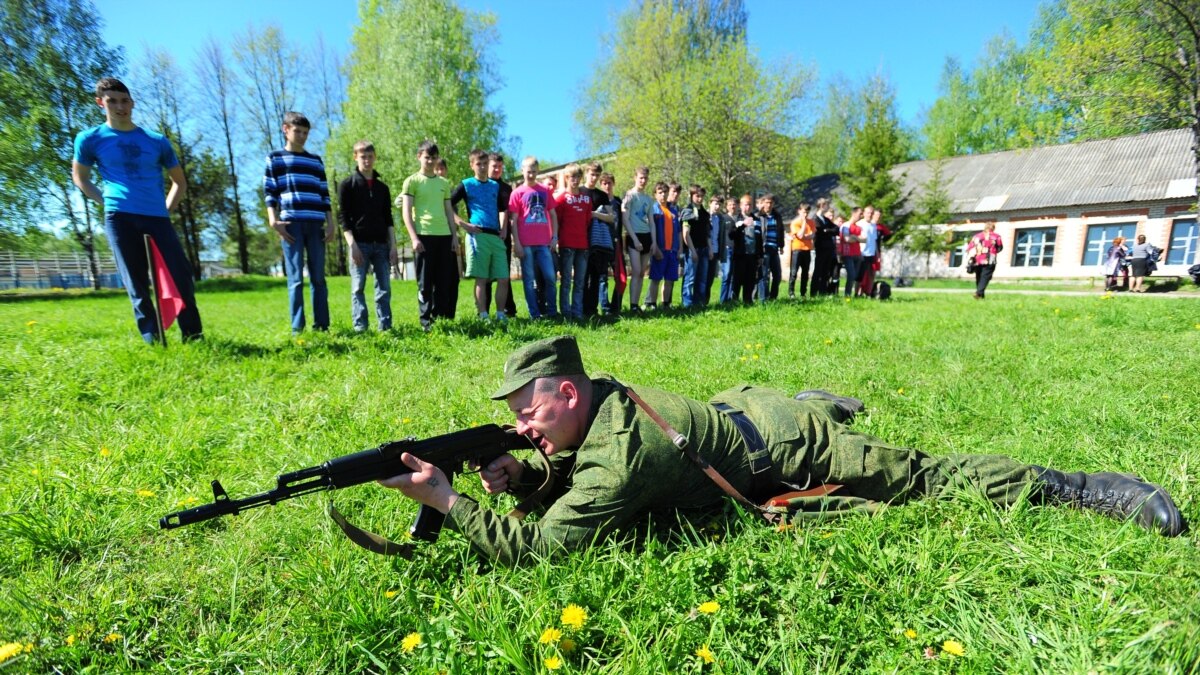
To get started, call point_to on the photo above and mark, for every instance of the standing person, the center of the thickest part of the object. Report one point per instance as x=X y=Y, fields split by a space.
x=441 y=168
x=297 y=197
x=773 y=240
x=637 y=211
x=851 y=238
x=732 y=213
x=746 y=238
x=600 y=242
x=496 y=173
x=800 y=242
x=718 y=242
x=574 y=212
x=664 y=267
x=870 y=252
x=1114 y=262
x=535 y=231
x=982 y=251
x=1142 y=259
x=620 y=274
x=131 y=161
x=425 y=207
x=485 y=226
x=825 y=235
x=698 y=253
x=365 y=213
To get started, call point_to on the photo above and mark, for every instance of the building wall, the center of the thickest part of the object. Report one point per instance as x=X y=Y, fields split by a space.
x=1071 y=227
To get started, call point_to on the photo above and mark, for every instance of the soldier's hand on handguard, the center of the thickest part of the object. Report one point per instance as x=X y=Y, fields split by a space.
x=500 y=473
x=426 y=484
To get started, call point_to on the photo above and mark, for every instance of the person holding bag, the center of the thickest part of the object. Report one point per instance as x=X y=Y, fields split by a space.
x=981 y=257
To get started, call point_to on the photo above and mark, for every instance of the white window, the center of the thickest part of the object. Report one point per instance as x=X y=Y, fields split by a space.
x=1185 y=239
x=1100 y=237
x=1034 y=247
x=958 y=254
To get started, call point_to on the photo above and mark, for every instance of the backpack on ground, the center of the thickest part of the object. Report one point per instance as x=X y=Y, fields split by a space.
x=882 y=290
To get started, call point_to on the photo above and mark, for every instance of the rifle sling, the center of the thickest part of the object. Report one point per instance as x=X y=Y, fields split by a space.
x=383 y=546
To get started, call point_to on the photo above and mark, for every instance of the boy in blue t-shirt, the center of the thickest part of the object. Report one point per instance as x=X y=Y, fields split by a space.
x=486 y=226
x=131 y=160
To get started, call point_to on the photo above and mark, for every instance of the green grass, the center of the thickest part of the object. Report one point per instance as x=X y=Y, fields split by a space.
x=102 y=435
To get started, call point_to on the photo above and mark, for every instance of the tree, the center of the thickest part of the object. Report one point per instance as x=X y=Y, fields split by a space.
x=653 y=98
x=419 y=69
x=932 y=211
x=218 y=81
x=877 y=146
x=827 y=148
x=51 y=56
x=1125 y=66
x=269 y=68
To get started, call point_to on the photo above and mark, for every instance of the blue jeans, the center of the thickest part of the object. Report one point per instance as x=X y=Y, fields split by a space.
x=853 y=266
x=310 y=240
x=375 y=256
x=125 y=236
x=572 y=265
x=537 y=277
x=695 y=278
x=726 y=278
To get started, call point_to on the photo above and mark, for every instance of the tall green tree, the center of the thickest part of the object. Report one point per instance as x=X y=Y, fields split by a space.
x=877 y=146
x=826 y=148
x=681 y=91
x=418 y=69
x=1125 y=66
x=924 y=236
x=51 y=56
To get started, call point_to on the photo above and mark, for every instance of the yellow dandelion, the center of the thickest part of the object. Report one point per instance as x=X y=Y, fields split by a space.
x=1198 y=326
x=390 y=594
x=910 y=634
x=847 y=300
x=755 y=357
x=410 y=642
x=9 y=650
x=35 y=472
x=29 y=324
x=758 y=345
x=145 y=493
x=70 y=639
x=747 y=345
x=300 y=341
x=900 y=391
x=826 y=535
x=828 y=341
x=552 y=662
x=406 y=420
x=709 y=607
x=1166 y=397
x=105 y=452
x=953 y=648
x=705 y=654
x=1057 y=310
x=574 y=616
x=566 y=645
x=111 y=638
x=550 y=635
x=187 y=501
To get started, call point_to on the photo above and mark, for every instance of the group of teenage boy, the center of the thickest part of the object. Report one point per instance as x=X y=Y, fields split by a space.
x=568 y=241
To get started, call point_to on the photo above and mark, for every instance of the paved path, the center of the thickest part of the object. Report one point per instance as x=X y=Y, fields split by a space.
x=1013 y=291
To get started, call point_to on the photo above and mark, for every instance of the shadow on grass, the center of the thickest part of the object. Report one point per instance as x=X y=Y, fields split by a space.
x=59 y=294
x=241 y=283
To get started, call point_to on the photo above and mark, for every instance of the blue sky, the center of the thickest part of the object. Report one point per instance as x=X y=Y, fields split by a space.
x=908 y=40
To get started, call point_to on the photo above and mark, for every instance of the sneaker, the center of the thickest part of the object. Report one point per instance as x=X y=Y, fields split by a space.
x=483 y=316
x=501 y=317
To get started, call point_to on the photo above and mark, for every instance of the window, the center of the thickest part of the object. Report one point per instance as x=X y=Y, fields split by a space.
x=1100 y=237
x=1034 y=247
x=1185 y=239
x=958 y=254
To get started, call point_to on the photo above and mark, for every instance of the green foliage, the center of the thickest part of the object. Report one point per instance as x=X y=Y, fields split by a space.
x=652 y=100
x=826 y=149
x=924 y=233
x=89 y=417
x=877 y=145
x=419 y=69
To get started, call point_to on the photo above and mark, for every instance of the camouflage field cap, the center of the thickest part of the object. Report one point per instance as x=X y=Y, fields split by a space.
x=544 y=358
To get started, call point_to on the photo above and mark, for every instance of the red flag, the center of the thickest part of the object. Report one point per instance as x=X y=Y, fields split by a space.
x=170 y=303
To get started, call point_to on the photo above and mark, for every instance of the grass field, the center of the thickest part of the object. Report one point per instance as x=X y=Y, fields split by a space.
x=102 y=435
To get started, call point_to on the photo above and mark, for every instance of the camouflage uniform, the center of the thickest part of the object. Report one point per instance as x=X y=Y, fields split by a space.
x=627 y=467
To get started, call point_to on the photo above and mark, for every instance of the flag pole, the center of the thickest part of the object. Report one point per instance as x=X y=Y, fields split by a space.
x=158 y=317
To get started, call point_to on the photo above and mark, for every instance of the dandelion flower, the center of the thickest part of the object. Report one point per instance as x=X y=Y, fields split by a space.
x=747 y=345
x=900 y=391
x=145 y=493
x=566 y=645
x=30 y=324
x=1057 y=310
x=574 y=616
x=111 y=638
x=552 y=662
x=406 y=420
x=910 y=634
x=755 y=357
x=709 y=607
x=9 y=650
x=758 y=345
x=550 y=635
x=828 y=341
x=70 y=639
x=410 y=642
x=105 y=452
x=953 y=647
x=187 y=501
x=300 y=341
x=390 y=594
x=705 y=654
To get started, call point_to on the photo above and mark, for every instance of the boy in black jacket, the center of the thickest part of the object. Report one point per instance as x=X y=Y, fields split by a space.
x=365 y=213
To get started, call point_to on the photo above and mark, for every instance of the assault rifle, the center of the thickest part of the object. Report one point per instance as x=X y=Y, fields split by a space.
x=449 y=452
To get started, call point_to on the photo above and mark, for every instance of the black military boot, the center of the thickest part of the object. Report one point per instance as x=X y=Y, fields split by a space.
x=848 y=406
x=1117 y=495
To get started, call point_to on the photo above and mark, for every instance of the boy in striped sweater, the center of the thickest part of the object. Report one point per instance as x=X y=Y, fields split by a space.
x=297 y=197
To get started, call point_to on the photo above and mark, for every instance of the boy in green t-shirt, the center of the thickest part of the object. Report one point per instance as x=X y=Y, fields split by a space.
x=425 y=207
